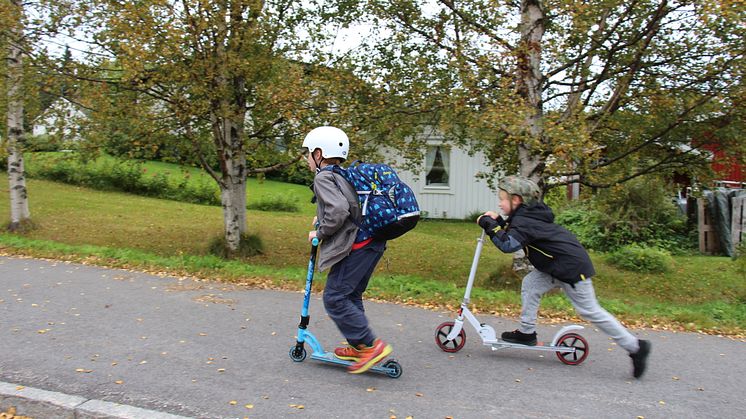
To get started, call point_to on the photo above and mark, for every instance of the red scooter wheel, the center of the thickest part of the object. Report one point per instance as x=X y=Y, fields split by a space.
x=441 y=335
x=573 y=340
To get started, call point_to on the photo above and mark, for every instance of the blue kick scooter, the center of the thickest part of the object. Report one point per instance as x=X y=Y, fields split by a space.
x=298 y=352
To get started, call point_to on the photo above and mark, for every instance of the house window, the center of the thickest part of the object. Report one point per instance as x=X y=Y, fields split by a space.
x=437 y=166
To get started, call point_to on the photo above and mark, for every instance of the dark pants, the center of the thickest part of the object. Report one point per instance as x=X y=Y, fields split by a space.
x=343 y=295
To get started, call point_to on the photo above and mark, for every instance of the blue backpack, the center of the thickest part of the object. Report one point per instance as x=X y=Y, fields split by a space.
x=389 y=207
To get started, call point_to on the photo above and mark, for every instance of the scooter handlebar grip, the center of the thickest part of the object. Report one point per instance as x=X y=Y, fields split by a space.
x=315 y=242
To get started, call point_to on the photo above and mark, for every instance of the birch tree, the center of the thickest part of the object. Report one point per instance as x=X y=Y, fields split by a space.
x=234 y=72
x=12 y=13
x=593 y=91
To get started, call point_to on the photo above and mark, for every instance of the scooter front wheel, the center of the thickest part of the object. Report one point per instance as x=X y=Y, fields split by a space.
x=441 y=338
x=573 y=340
x=297 y=353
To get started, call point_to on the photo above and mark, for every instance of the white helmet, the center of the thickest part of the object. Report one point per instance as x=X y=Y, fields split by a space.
x=332 y=141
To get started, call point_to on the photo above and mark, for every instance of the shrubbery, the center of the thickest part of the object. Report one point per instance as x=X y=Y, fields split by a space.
x=638 y=211
x=276 y=203
x=126 y=176
x=642 y=259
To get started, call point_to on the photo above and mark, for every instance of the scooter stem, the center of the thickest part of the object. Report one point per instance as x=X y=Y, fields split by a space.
x=473 y=272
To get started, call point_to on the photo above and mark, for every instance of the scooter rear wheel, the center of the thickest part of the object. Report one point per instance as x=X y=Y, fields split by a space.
x=395 y=368
x=441 y=335
x=573 y=340
x=297 y=354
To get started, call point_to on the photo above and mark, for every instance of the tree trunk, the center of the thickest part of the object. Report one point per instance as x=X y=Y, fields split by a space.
x=19 y=211
x=530 y=87
x=529 y=83
x=233 y=181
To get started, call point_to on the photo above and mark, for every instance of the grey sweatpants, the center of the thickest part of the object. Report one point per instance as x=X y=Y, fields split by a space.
x=583 y=298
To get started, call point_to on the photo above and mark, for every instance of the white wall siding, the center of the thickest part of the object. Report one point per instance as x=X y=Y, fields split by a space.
x=465 y=193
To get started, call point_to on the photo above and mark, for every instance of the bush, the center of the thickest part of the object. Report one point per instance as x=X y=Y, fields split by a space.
x=642 y=259
x=250 y=245
x=125 y=176
x=276 y=203
x=43 y=142
x=635 y=212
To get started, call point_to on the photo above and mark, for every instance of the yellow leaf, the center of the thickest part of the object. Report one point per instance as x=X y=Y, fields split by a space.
x=232 y=402
x=83 y=370
x=249 y=406
x=119 y=382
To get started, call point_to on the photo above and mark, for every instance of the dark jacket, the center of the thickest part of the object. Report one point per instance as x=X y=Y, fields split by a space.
x=550 y=247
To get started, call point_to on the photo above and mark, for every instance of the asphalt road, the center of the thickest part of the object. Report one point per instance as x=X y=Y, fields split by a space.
x=210 y=350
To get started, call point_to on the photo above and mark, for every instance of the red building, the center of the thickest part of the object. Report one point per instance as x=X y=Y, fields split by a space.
x=726 y=168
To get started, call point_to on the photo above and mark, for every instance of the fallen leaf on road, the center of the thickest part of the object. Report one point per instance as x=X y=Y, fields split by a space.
x=232 y=402
x=249 y=406
x=119 y=382
x=83 y=370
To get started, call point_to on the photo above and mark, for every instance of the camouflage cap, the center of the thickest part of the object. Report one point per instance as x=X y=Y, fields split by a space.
x=521 y=186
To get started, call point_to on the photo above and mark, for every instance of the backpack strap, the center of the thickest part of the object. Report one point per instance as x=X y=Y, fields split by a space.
x=338 y=170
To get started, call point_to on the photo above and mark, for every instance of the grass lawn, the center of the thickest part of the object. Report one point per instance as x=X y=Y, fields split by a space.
x=428 y=266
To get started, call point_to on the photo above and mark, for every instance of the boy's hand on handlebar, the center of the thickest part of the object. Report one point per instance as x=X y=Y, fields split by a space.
x=491 y=223
x=491 y=214
x=311 y=235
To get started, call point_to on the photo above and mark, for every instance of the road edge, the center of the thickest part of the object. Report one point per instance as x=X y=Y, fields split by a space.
x=37 y=403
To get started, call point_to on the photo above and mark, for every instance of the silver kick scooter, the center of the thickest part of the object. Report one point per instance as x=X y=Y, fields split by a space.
x=570 y=347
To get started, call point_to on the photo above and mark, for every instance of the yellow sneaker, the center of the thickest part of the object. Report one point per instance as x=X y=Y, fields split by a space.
x=370 y=356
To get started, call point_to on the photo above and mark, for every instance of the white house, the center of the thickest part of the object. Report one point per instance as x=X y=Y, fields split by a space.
x=448 y=186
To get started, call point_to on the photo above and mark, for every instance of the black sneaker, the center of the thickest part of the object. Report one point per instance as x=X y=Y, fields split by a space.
x=640 y=358
x=517 y=336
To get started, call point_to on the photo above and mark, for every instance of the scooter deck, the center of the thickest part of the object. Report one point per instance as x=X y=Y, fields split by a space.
x=540 y=346
x=329 y=357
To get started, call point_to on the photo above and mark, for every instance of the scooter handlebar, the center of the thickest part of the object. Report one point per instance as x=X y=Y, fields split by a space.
x=315 y=242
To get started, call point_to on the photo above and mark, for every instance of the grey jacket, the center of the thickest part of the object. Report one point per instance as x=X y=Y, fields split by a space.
x=336 y=201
